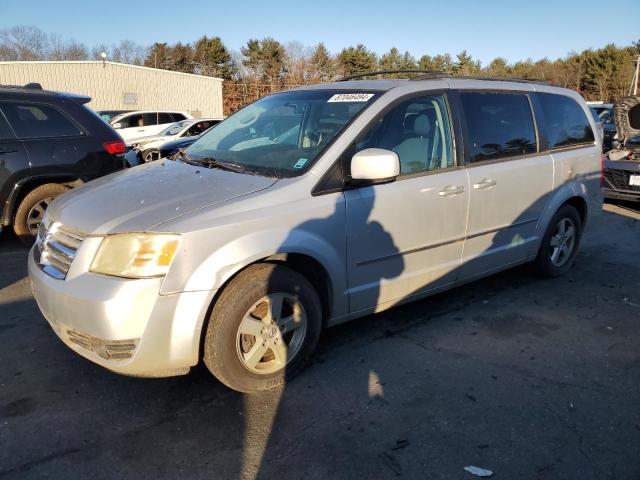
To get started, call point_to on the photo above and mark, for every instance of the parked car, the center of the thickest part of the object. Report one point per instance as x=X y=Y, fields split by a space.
x=604 y=116
x=312 y=207
x=108 y=115
x=622 y=164
x=141 y=123
x=49 y=142
x=133 y=156
x=149 y=146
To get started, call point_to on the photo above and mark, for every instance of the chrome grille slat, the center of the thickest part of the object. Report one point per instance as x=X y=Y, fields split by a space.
x=56 y=248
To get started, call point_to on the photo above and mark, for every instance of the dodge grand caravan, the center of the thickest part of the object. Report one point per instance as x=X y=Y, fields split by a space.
x=311 y=207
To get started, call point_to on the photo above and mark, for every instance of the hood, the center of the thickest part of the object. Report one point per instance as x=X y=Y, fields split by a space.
x=143 y=197
x=627 y=113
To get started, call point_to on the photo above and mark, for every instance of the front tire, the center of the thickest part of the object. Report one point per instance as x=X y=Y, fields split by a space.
x=151 y=155
x=263 y=328
x=560 y=243
x=31 y=210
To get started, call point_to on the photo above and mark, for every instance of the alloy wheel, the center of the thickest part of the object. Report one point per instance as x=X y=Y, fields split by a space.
x=562 y=242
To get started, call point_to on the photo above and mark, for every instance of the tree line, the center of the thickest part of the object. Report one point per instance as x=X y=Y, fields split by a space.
x=266 y=65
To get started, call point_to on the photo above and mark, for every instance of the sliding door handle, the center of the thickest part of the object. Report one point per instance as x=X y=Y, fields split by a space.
x=485 y=183
x=450 y=190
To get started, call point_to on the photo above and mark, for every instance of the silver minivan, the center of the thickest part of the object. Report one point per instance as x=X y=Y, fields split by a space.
x=309 y=208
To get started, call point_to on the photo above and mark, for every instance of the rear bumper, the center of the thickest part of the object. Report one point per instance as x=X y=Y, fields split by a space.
x=122 y=324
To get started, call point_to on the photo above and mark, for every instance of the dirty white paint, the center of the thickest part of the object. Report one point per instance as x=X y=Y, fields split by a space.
x=117 y=86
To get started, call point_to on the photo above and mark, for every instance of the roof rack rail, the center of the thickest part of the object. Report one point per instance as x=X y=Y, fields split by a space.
x=30 y=86
x=480 y=77
x=434 y=74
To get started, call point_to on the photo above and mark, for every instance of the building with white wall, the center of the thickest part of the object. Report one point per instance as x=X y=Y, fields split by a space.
x=117 y=86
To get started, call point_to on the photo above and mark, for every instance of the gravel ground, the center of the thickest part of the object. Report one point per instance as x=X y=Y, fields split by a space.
x=530 y=378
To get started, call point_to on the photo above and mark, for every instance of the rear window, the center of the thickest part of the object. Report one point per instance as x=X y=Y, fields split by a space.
x=565 y=121
x=500 y=125
x=30 y=120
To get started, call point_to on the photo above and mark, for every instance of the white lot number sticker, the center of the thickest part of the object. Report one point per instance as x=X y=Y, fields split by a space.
x=350 y=97
x=634 y=180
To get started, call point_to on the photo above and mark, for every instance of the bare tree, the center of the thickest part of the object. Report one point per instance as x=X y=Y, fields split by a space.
x=23 y=42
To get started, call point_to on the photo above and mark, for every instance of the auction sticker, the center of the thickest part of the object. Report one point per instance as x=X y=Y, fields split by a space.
x=350 y=97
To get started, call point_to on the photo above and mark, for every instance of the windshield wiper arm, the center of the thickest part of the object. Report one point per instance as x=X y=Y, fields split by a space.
x=230 y=166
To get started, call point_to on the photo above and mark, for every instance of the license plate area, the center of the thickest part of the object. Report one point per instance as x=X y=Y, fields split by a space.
x=634 y=180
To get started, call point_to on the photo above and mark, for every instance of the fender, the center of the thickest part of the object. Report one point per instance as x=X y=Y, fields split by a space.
x=214 y=271
x=559 y=196
x=16 y=190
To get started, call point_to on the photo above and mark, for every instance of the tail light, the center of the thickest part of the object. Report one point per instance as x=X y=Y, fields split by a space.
x=114 y=148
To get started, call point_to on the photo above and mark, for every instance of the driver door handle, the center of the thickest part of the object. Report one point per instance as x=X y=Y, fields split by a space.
x=450 y=190
x=484 y=183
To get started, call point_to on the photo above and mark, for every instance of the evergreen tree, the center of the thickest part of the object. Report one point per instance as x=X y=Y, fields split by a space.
x=213 y=59
x=356 y=60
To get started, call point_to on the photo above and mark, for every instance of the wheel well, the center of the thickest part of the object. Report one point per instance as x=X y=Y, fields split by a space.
x=305 y=265
x=30 y=185
x=580 y=205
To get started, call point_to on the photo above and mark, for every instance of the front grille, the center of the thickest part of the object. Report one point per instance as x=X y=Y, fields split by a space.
x=619 y=180
x=56 y=248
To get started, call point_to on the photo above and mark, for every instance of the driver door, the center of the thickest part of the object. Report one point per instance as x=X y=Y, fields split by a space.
x=405 y=238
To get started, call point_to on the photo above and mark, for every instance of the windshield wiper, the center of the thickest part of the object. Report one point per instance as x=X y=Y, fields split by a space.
x=230 y=166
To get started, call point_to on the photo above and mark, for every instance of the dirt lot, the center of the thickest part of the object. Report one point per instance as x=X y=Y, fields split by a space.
x=533 y=379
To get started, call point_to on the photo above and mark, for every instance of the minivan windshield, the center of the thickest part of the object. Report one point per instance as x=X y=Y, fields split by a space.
x=280 y=135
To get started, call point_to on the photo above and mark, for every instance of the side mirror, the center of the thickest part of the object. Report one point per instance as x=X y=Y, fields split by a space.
x=117 y=125
x=375 y=165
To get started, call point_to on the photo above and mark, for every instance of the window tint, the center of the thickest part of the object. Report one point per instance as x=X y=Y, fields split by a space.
x=5 y=131
x=198 y=127
x=418 y=131
x=177 y=117
x=131 y=121
x=165 y=118
x=499 y=125
x=150 y=118
x=30 y=120
x=565 y=122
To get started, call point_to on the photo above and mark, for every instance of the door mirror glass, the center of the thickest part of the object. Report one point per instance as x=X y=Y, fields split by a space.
x=375 y=164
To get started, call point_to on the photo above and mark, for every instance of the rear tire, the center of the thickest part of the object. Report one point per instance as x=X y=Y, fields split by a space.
x=248 y=351
x=150 y=155
x=31 y=210
x=560 y=243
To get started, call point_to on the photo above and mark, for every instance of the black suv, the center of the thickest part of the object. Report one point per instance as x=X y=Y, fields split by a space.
x=49 y=142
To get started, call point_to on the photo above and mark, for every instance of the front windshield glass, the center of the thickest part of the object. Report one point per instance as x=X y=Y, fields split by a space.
x=282 y=133
x=176 y=128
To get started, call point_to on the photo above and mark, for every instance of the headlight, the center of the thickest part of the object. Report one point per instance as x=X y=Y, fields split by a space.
x=136 y=255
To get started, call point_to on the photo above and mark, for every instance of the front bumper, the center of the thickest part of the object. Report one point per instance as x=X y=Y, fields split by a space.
x=124 y=325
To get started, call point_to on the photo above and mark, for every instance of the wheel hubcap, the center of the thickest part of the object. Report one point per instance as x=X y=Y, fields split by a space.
x=34 y=217
x=562 y=242
x=271 y=333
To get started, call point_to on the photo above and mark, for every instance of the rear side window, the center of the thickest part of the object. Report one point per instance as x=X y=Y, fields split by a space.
x=5 y=131
x=131 y=121
x=499 y=125
x=150 y=118
x=177 y=117
x=165 y=118
x=565 y=121
x=31 y=120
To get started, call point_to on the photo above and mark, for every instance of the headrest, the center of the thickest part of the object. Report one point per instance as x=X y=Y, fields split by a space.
x=409 y=122
x=422 y=125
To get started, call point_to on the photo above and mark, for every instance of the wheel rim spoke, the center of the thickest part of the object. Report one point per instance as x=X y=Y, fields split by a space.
x=255 y=354
x=251 y=326
x=280 y=352
x=274 y=311
x=555 y=241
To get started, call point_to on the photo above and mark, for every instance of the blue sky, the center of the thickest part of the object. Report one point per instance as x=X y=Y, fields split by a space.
x=486 y=28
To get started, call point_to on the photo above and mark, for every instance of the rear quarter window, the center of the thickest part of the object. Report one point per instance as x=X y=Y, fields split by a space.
x=565 y=122
x=33 y=120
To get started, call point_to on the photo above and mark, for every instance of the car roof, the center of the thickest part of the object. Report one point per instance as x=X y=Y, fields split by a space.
x=23 y=91
x=418 y=84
